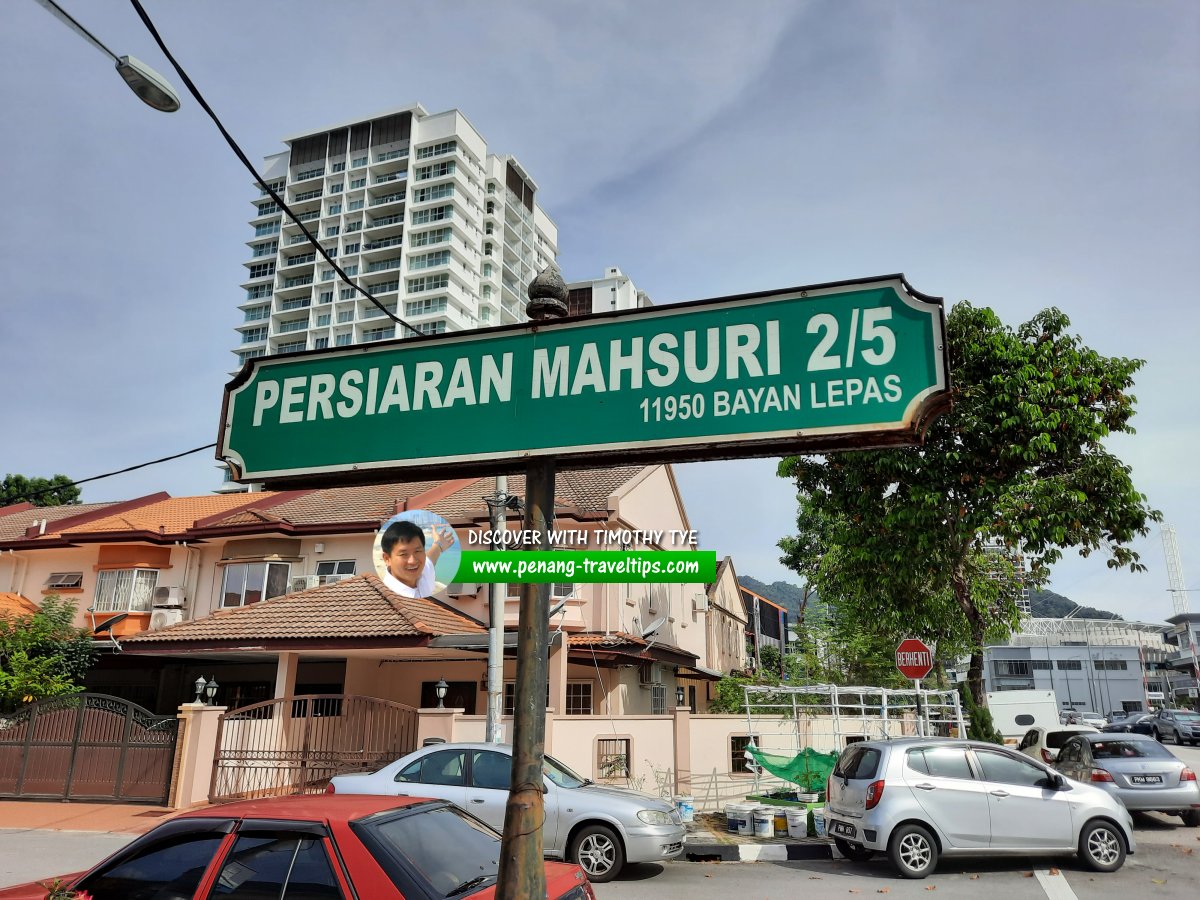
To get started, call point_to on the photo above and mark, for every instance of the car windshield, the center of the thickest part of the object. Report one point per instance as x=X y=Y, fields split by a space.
x=561 y=775
x=1129 y=750
x=443 y=846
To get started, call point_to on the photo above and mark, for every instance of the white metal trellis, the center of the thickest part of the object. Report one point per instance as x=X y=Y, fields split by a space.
x=827 y=717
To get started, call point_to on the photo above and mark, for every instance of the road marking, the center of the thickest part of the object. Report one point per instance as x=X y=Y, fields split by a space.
x=1055 y=886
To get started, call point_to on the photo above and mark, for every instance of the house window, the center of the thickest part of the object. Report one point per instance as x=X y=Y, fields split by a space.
x=333 y=231
x=613 y=757
x=658 y=699
x=1008 y=667
x=330 y=570
x=737 y=754
x=1073 y=665
x=251 y=582
x=510 y=695
x=1110 y=665
x=125 y=590
x=579 y=698
x=64 y=580
x=1039 y=665
x=343 y=340
x=262 y=270
x=320 y=343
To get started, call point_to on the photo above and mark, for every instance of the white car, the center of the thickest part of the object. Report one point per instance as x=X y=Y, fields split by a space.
x=1044 y=743
x=1082 y=717
x=601 y=828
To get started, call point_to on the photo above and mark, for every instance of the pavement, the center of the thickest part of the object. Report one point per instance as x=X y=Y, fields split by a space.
x=111 y=818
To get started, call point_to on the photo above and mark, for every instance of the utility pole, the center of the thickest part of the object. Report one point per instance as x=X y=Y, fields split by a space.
x=522 y=874
x=498 y=506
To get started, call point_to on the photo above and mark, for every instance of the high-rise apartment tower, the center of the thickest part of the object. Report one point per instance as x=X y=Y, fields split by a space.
x=411 y=205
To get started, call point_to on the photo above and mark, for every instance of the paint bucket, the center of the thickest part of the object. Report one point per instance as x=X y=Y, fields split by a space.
x=781 y=823
x=737 y=818
x=764 y=822
x=797 y=823
x=686 y=806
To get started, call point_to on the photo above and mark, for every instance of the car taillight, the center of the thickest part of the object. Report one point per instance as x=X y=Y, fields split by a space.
x=874 y=794
x=330 y=789
x=1187 y=775
x=1046 y=756
x=1100 y=775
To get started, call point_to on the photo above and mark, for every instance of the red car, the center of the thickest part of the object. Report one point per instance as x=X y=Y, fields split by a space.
x=322 y=847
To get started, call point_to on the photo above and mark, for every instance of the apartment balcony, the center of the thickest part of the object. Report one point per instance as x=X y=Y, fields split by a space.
x=370 y=311
x=390 y=178
x=301 y=196
x=304 y=259
x=381 y=201
x=296 y=303
x=293 y=326
x=310 y=216
x=389 y=162
x=305 y=175
x=386 y=226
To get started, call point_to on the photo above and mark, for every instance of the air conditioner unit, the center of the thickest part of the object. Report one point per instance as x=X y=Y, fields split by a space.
x=165 y=618
x=331 y=579
x=649 y=675
x=303 y=583
x=700 y=602
x=462 y=588
x=168 y=598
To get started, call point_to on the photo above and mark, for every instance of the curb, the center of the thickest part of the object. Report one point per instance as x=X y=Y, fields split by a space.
x=699 y=852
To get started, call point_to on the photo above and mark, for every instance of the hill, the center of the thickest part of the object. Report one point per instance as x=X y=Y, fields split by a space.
x=1049 y=605
x=787 y=595
x=1044 y=604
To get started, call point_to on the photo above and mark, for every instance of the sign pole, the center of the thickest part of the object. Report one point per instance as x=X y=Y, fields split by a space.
x=920 y=712
x=522 y=872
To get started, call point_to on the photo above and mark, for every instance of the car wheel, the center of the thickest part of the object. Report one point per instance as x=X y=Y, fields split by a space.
x=1157 y=735
x=1101 y=846
x=1191 y=818
x=598 y=851
x=913 y=851
x=856 y=852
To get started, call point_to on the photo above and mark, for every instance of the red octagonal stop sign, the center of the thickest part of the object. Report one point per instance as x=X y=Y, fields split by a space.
x=913 y=658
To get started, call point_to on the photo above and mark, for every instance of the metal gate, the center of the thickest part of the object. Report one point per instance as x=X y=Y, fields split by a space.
x=87 y=747
x=294 y=745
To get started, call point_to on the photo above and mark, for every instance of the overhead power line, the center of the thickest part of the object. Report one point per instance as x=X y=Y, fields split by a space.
x=262 y=181
x=153 y=462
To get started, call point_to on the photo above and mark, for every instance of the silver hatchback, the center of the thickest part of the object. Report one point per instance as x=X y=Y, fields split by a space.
x=918 y=799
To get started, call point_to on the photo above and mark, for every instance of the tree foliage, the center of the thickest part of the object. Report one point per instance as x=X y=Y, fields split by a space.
x=42 y=654
x=916 y=539
x=57 y=490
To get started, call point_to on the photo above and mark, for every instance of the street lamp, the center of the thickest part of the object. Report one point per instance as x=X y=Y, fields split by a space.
x=210 y=690
x=151 y=88
x=679 y=695
x=440 y=689
x=201 y=684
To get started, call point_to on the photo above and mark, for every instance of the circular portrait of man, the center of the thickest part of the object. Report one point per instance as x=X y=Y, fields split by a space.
x=417 y=553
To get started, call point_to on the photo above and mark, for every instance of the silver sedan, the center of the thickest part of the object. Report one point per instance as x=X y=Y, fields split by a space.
x=601 y=828
x=1136 y=769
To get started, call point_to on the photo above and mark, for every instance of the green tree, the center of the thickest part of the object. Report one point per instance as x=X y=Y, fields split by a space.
x=42 y=654
x=57 y=490
x=1017 y=465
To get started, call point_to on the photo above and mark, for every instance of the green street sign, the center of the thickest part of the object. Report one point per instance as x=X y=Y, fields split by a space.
x=826 y=367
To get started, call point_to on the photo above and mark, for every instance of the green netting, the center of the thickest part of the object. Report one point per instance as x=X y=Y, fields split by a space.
x=808 y=768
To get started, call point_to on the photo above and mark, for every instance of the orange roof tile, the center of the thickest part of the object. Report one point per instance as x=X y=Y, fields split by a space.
x=16 y=605
x=174 y=515
x=358 y=607
x=13 y=525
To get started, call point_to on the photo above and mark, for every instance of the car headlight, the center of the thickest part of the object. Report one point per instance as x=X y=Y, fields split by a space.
x=654 y=817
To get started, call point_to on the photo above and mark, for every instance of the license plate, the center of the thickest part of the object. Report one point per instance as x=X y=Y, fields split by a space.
x=843 y=830
x=1145 y=779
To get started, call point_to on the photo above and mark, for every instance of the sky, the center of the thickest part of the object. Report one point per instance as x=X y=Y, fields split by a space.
x=1016 y=155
